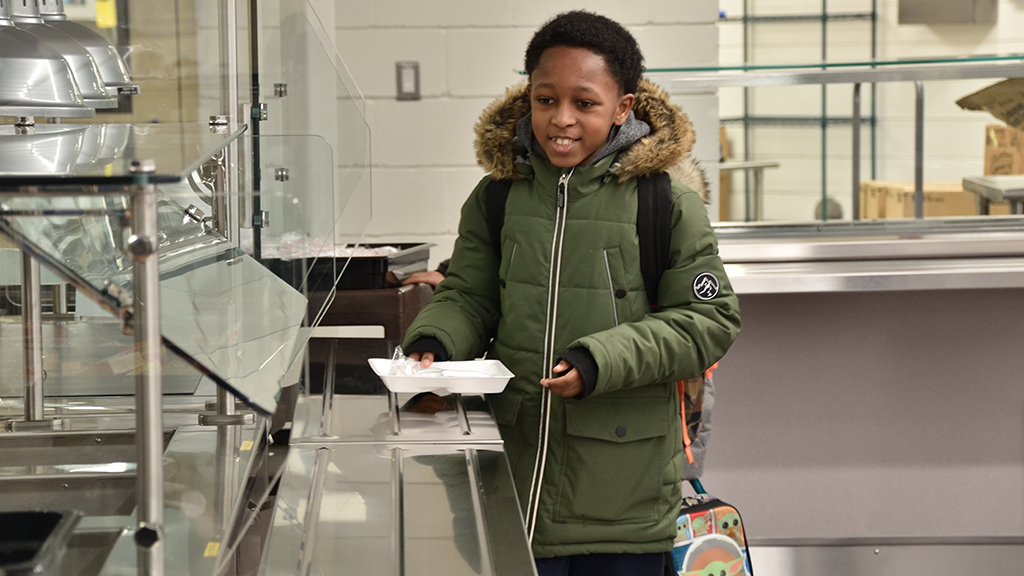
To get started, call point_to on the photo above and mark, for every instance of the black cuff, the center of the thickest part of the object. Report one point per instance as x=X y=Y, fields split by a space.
x=428 y=344
x=443 y=267
x=584 y=362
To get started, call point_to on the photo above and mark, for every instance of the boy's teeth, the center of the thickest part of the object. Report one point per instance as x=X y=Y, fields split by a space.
x=563 y=141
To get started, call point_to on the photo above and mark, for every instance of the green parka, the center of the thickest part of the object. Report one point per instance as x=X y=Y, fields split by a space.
x=599 y=474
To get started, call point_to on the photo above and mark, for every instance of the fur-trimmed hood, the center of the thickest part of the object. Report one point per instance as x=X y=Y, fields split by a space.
x=668 y=147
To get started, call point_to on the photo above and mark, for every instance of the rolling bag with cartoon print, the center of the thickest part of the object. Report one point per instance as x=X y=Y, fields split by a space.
x=710 y=540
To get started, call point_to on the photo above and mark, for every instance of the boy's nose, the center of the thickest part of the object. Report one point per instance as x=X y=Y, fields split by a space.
x=564 y=116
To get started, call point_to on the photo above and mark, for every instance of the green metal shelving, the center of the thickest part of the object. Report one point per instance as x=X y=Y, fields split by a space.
x=749 y=121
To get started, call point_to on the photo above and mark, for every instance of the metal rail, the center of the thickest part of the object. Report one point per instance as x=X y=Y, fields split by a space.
x=857 y=74
x=32 y=316
x=145 y=322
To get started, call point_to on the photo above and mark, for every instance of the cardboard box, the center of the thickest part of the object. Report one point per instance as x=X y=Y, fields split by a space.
x=999 y=208
x=1004 y=154
x=1004 y=100
x=940 y=199
x=872 y=199
x=874 y=195
x=1004 y=150
x=881 y=199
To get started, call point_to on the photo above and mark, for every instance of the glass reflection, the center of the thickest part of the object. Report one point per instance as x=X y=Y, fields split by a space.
x=220 y=308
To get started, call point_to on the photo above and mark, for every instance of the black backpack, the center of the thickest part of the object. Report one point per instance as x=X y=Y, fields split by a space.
x=653 y=224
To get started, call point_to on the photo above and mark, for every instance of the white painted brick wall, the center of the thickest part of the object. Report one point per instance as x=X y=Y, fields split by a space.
x=484 y=62
x=379 y=49
x=470 y=51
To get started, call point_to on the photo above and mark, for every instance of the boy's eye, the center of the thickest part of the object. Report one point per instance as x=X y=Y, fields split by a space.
x=586 y=104
x=544 y=100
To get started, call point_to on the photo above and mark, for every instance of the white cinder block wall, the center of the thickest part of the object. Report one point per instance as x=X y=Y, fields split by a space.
x=469 y=52
x=954 y=141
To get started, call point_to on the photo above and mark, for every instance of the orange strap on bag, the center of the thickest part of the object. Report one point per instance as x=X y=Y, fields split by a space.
x=682 y=413
x=707 y=373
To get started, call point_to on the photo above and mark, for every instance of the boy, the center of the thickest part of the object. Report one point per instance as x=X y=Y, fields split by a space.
x=591 y=420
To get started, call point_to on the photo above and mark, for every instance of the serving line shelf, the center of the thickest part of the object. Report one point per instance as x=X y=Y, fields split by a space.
x=968 y=253
x=360 y=497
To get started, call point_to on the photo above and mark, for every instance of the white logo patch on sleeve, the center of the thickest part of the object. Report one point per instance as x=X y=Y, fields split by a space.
x=706 y=286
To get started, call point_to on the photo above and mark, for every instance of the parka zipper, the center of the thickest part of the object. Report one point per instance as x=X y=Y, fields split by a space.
x=549 y=353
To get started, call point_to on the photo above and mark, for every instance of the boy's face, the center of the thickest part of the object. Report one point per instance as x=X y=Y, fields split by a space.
x=575 y=101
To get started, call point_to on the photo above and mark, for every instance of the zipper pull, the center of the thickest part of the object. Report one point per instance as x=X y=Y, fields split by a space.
x=562 y=184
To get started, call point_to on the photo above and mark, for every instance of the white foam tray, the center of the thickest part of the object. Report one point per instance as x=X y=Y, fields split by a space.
x=468 y=377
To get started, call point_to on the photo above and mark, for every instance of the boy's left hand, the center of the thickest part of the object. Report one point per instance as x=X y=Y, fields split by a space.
x=568 y=385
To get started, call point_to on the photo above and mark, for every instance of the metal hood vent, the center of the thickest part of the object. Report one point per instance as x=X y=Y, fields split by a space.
x=94 y=93
x=36 y=80
x=113 y=70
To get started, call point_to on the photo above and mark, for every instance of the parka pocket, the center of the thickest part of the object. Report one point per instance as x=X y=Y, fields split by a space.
x=615 y=457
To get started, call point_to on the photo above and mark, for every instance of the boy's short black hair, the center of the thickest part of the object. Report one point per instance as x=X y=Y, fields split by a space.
x=603 y=36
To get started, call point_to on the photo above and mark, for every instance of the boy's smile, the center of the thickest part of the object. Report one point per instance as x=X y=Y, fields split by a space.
x=574 y=101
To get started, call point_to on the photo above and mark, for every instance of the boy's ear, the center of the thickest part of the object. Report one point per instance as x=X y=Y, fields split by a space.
x=623 y=107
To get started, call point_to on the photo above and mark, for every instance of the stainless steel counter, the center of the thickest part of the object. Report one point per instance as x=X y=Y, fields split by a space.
x=963 y=253
x=356 y=498
x=212 y=477
x=997 y=188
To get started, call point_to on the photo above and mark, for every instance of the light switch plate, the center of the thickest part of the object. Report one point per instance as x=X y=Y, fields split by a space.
x=407 y=77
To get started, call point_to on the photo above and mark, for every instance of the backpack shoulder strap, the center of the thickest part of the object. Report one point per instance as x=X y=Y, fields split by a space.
x=497 y=195
x=654 y=229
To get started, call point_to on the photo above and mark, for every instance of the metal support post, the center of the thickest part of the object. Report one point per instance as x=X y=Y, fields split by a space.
x=398 y=512
x=856 y=151
x=32 y=326
x=227 y=478
x=312 y=517
x=142 y=248
x=60 y=299
x=396 y=422
x=460 y=411
x=476 y=489
x=919 y=152
x=225 y=210
x=32 y=319
x=326 y=410
x=225 y=412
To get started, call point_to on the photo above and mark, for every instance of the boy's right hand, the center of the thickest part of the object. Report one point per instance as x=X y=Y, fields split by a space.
x=424 y=358
x=432 y=277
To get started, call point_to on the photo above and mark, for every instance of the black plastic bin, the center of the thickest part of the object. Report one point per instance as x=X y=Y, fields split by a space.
x=32 y=542
x=363 y=272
